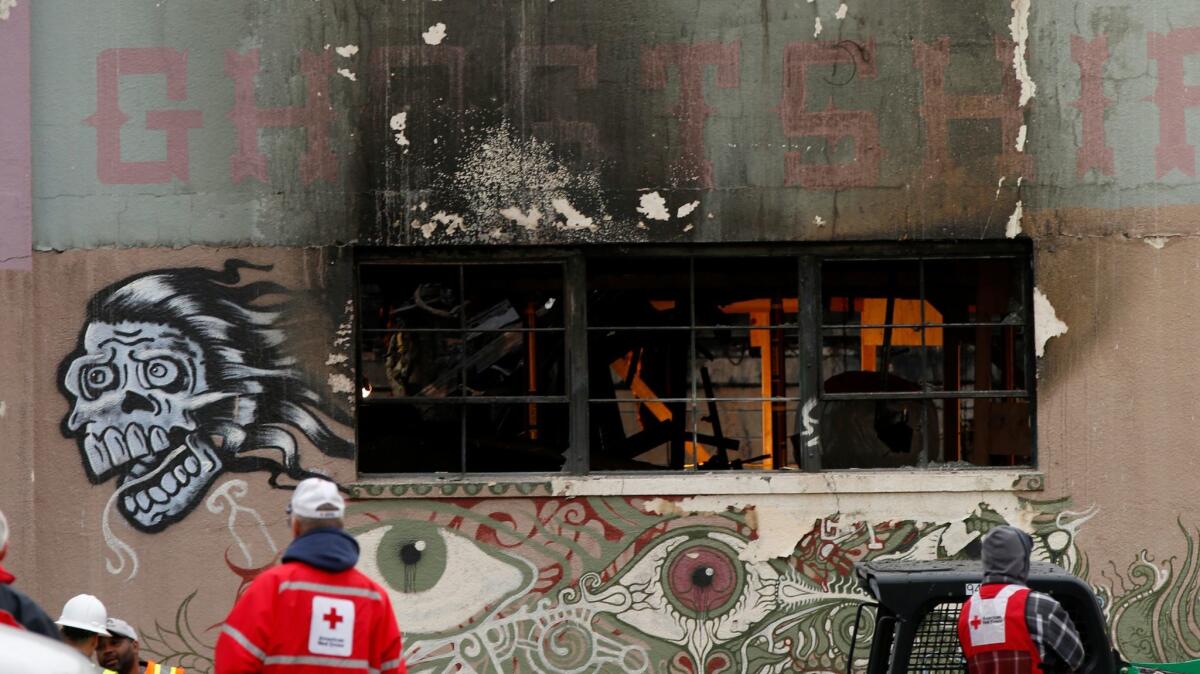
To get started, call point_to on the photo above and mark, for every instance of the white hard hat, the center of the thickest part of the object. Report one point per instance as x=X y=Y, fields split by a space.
x=84 y=612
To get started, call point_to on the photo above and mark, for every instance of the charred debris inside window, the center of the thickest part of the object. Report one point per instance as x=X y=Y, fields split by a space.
x=596 y=361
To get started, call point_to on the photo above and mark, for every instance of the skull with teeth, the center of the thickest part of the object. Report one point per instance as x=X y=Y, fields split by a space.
x=176 y=376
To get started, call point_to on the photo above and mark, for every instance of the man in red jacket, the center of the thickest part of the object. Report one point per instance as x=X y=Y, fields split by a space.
x=314 y=612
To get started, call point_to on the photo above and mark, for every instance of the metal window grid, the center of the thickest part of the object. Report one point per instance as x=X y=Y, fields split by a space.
x=809 y=325
x=935 y=645
x=695 y=398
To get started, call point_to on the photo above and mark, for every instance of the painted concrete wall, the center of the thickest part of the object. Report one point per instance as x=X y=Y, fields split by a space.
x=631 y=100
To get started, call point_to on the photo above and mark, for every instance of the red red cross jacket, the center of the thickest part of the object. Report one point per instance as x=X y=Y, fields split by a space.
x=299 y=619
x=994 y=632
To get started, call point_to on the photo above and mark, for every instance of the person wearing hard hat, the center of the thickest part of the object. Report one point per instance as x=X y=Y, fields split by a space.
x=314 y=612
x=16 y=608
x=82 y=623
x=121 y=654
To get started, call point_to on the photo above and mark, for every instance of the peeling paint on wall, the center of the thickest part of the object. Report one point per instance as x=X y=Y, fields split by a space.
x=435 y=34
x=6 y=6
x=529 y=221
x=346 y=72
x=686 y=209
x=841 y=12
x=1155 y=242
x=1014 y=221
x=501 y=180
x=1019 y=28
x=398 y=124
x=1046 y=324
x=653 y=206
x=347 y=51
x=575 y=219
x=340 y=383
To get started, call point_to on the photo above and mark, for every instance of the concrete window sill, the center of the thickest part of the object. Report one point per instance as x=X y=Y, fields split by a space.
x=845 y=482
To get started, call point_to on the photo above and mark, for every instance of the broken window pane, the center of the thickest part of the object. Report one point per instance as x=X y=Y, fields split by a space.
x=410 y=438
x=638 y=435
x=516 y=437
x=888 y=357
x=745 y=435
x=746 y=291
x=638 y=291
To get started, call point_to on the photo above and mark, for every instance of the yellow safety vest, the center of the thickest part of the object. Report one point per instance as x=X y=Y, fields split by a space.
x=153 y=667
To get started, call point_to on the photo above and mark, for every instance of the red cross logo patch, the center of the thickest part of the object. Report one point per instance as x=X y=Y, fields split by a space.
x=331 y=631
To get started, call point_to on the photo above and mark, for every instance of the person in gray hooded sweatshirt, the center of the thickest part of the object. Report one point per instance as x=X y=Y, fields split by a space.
x=1006 y=628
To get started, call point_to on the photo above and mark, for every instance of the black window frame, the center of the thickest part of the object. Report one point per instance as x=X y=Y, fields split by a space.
x=810 y=327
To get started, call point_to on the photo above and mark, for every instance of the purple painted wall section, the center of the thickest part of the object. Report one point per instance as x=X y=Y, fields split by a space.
x=16 y=206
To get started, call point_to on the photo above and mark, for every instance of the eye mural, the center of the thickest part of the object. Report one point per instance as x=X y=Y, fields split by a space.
x=176 y=377
x=601 y=584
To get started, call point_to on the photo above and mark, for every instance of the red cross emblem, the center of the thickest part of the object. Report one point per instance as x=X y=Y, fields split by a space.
x=976 y=622
x=333 y=618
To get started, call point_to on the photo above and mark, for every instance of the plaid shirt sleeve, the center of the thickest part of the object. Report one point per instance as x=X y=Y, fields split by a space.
x=1053 y=631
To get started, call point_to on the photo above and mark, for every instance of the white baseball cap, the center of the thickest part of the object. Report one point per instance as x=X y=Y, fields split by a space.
x=84 y=612
x=317 y=498
x=120 y=628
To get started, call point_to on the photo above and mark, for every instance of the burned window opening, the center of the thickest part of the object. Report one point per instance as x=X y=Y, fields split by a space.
x=685 y=360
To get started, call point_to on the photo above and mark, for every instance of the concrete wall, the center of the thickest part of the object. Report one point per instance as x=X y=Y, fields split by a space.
x=1071 y=123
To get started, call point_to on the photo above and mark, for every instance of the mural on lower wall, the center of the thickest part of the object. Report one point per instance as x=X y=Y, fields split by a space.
x=1153 y=606
x=180 y=375
x=601 y=585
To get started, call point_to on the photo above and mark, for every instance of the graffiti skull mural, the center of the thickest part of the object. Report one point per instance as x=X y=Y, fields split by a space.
x=176 y=377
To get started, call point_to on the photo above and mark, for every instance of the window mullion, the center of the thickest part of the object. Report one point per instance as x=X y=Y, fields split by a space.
x=692 y=406
x=575 y=286
x=923 y=421
x=462 y=365
x=808 y=433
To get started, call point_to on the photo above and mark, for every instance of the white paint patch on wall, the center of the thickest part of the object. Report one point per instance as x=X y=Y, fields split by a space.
x=817 y=27
x=1019 y=28
x=841 y=12
x=1046 y=324
x=347 y=51
x=575 y=219
x=452 y=221
x=1014 y=222
x=340 y=383
x=1155 y=242
x=345 y=72
x=653 y=206
x=6 y=6
x=529 y=221
x=1021 y=133
x=436 y=33
x=3 y=409
x=399 y=123
x=337 y=359
x=686 y=209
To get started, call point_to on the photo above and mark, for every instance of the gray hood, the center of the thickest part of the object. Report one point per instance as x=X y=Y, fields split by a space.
x=1006 y=553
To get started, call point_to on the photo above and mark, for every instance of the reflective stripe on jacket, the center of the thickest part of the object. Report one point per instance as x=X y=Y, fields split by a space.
x=994 y=633
x=298 y=619
x=153 y=667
